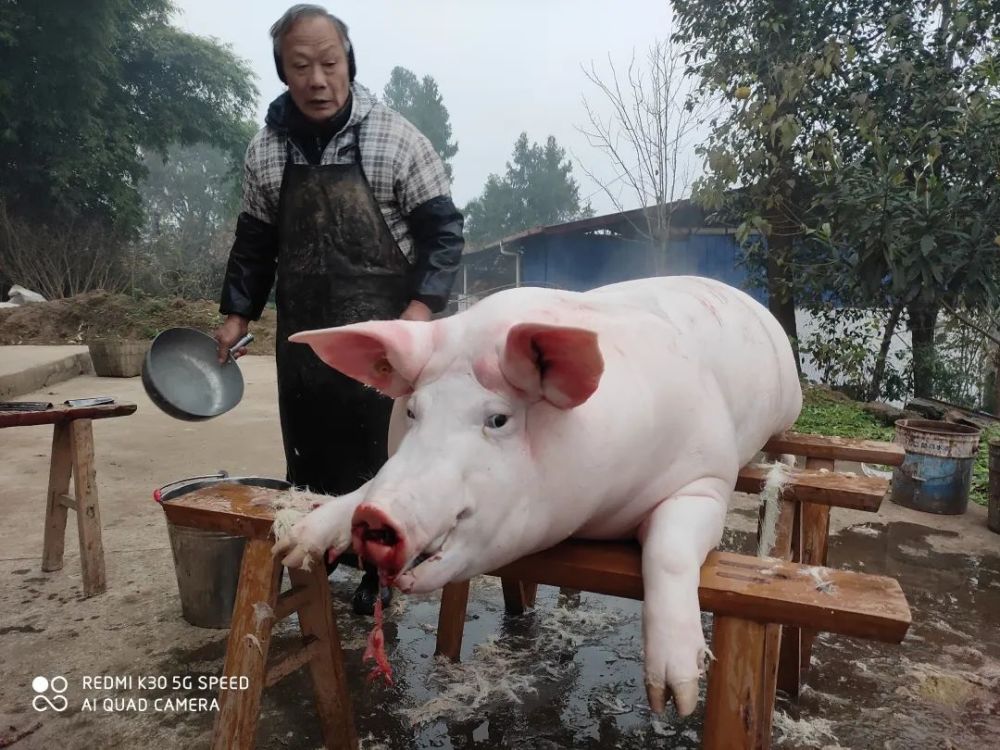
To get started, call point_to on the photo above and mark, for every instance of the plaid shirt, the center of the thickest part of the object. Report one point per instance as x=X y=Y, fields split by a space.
x=402 y=167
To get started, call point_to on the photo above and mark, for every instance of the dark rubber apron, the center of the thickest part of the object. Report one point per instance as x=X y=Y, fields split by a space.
x=338 y=263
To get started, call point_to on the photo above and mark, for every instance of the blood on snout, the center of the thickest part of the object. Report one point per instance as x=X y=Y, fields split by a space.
x=377 y=539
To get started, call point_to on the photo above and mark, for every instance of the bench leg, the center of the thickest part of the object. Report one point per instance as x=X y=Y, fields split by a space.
x=451 y=620
x=789 y=660
x=260 y=579
x=60 y=471
x=815 y=544
x=735 y=686
x=333 y=703
x=782 y=548
x=88 y=512
x=518 y=595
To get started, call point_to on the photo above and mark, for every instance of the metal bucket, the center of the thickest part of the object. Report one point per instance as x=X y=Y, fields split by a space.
x=207 y=563
x=936 y=473
x=993 y=515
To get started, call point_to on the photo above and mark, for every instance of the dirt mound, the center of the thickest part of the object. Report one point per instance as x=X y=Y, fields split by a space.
x=77 y=320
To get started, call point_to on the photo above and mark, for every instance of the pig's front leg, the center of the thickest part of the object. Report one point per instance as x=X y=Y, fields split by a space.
x=676 y=538
x=328 y=527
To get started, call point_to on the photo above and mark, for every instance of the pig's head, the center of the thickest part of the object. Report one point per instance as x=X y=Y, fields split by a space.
x=463 y=492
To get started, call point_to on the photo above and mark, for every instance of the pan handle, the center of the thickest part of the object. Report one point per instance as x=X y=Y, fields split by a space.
x=241 y=343
x=158 y=494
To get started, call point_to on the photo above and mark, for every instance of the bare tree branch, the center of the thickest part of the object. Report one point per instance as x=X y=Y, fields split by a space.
x=647 y=136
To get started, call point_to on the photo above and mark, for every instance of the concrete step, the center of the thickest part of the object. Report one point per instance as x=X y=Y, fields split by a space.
x=24 y=369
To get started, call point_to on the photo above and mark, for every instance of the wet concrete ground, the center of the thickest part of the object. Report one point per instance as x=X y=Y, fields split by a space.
x=566 y=675
x=574 y=667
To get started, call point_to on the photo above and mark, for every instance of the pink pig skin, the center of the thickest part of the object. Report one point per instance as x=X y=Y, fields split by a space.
x=538 y=415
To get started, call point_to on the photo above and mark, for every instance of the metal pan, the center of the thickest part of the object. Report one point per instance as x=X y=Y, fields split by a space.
x=182 y=375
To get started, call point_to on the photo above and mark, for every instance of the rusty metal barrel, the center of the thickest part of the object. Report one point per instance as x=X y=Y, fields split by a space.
x=993 y=517
x=936 y=474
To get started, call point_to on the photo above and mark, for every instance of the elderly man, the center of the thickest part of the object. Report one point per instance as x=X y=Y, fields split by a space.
x=349 y=205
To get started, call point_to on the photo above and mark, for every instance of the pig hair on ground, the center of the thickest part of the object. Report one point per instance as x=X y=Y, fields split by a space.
x=803 y=732
x=498 y=673
x=464 y=688
x=770 y=495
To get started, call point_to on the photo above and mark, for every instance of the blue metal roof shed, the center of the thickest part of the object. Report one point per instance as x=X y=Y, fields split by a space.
x=588 y=253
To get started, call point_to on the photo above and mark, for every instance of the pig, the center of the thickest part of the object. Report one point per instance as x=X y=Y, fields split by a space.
x=537 y=415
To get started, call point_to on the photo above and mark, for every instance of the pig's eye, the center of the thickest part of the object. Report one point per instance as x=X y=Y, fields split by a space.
x=496 y=421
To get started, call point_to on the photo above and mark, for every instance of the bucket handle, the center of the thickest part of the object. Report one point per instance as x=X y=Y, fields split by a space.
x=158 y=494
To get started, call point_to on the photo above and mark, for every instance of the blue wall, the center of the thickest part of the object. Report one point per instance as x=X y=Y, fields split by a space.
x=579 y=263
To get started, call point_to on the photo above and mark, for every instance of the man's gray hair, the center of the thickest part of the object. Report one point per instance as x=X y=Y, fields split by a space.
x=297 y=13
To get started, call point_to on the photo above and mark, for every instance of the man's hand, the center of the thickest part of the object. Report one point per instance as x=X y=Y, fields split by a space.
x=232 y=330
x=416 y=310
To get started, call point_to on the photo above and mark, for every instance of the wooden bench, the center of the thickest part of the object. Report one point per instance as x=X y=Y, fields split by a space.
x=741 y=718
x=72 y=457
x=235 y=509
x=751 y=598
x=807 y=521
x=748 y=595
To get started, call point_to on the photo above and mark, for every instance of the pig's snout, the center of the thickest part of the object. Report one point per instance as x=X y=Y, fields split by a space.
x=377 y=539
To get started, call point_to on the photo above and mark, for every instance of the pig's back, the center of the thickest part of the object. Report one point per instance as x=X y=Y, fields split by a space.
x=728 y=336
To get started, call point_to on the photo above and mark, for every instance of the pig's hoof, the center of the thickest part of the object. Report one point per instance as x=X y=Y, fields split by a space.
x=656 y=695
x=685 y=696
x=684 y=693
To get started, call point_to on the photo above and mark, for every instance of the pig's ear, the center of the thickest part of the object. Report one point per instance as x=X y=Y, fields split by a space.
x=558 y=364
x=388 y=355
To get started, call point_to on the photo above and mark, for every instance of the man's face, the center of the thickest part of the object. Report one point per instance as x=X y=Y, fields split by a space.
x=315 y=65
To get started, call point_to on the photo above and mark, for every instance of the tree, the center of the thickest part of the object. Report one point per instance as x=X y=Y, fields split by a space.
x=764 y=59
x=86 y=87
x=646 y=137
x=909 y=201
x=420 y=102
x=537 y=190
x=861 y=146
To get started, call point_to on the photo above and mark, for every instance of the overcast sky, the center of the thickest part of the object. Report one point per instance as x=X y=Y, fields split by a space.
x=502 y=66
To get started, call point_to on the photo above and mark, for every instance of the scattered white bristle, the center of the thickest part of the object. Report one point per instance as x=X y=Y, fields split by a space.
x=802 y=732
x=498 y=673
x=262 y=611
x=770 y=495
x=465 y=688
x=307 y=563
x=818 y=575
x=292 y=499
x=255 y=642
x=284 y=520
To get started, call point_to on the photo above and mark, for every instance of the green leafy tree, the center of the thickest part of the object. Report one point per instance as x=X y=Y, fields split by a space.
x=419 y=101
x=86 y=87
x=760 y=58
x=860 y=147
x=909 y=202
x=537 y=189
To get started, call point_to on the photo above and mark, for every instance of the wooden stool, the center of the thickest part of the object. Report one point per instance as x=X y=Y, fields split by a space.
x=230 y=508
x=807 y=523
x=751 y=598
x=72 y=456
